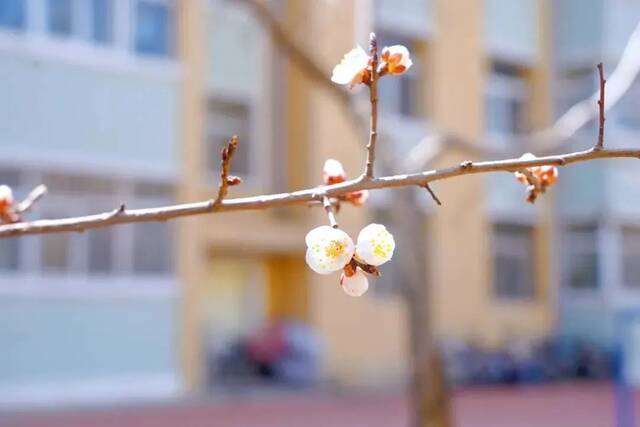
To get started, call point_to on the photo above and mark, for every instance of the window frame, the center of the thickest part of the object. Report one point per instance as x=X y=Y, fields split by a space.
x=118 y=54
x=510 y=246
x=78 y=275
x=510 y=88
x=578 y=238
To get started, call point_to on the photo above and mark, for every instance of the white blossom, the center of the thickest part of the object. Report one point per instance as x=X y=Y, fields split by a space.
x=328 y=249
x=333 y=172
x=6 y=195
x=375 y=244
x=396 y=59
x=352 y=69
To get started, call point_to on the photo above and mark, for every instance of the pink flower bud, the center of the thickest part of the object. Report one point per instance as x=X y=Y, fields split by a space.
x=333 y=172
x=356 y=284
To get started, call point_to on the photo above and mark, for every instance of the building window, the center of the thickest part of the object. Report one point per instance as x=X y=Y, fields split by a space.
x=401 y=94
x=582 y=254
x=12 y=14
x=55 y=251
x=60 y=17
x=631 y=257
x=100 y=255
x=152 y=248
x=9 y=254
x=513 y=261
x=153 y=28
x=224 y=119
x=102 y=20
x=506 y=100
x=628 y=113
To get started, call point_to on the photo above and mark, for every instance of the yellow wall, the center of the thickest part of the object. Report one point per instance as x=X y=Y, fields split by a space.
x=366 y=339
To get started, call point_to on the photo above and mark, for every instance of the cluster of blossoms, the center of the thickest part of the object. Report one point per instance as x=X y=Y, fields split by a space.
x=544 y=176
x=331 y=249
x=355 y=67
x=7 y=214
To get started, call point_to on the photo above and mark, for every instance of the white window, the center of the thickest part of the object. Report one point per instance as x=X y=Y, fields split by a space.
x=631 y=257
x=582 y=257
x=9 y=255
x=102 y=16
x=401 y=94
x=12 y=14
x=139 y=249
x=513 y=261
x=628 y=112
x=143 y=27
x=60 y=17
x=153 y=29
x=506 y=101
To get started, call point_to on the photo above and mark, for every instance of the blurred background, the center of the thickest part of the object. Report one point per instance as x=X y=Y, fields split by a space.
x=534 y=309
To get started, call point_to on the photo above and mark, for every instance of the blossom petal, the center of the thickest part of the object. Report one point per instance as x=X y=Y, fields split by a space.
x=351 y=69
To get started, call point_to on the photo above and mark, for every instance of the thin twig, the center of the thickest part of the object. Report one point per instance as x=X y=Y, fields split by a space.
x=35 y=195
x=227 y=180
x=302 y=196
x=600 y=143
x=373 y=99
x=328 y=207
x=433 y=194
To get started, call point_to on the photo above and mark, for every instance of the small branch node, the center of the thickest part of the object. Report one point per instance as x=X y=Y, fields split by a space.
x=467 y=164
x=601 y=107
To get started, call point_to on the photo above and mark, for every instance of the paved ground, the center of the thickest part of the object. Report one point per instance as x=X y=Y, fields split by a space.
x=563 y=405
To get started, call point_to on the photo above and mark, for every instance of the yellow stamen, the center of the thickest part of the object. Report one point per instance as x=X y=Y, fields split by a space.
x=335 y=249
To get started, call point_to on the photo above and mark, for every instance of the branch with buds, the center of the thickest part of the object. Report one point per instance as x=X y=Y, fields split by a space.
x=329 y=249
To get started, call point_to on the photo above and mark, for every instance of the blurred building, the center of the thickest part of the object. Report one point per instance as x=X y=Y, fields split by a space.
x=130 y=101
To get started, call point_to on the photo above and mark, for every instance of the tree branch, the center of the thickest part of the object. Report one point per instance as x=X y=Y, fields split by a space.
x=328 y=207
x=600 y=143
x=124 y=216
x=35 y=195
x=373 y=99
x=227 y=180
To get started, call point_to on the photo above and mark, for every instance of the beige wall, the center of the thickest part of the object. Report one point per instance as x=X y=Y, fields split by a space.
x=366 y=338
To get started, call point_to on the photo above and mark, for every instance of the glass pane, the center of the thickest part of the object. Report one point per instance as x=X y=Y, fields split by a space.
x=582 y=263
x=152 y=28
x=583 y=271
x=631 y=256
x=100 y=250
x=12 y=14
x=9 y=254
x=59 y=17
x=225 y=119
x=55 y=252
x=152 y=247
x=513 y=261
x=102 y=17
